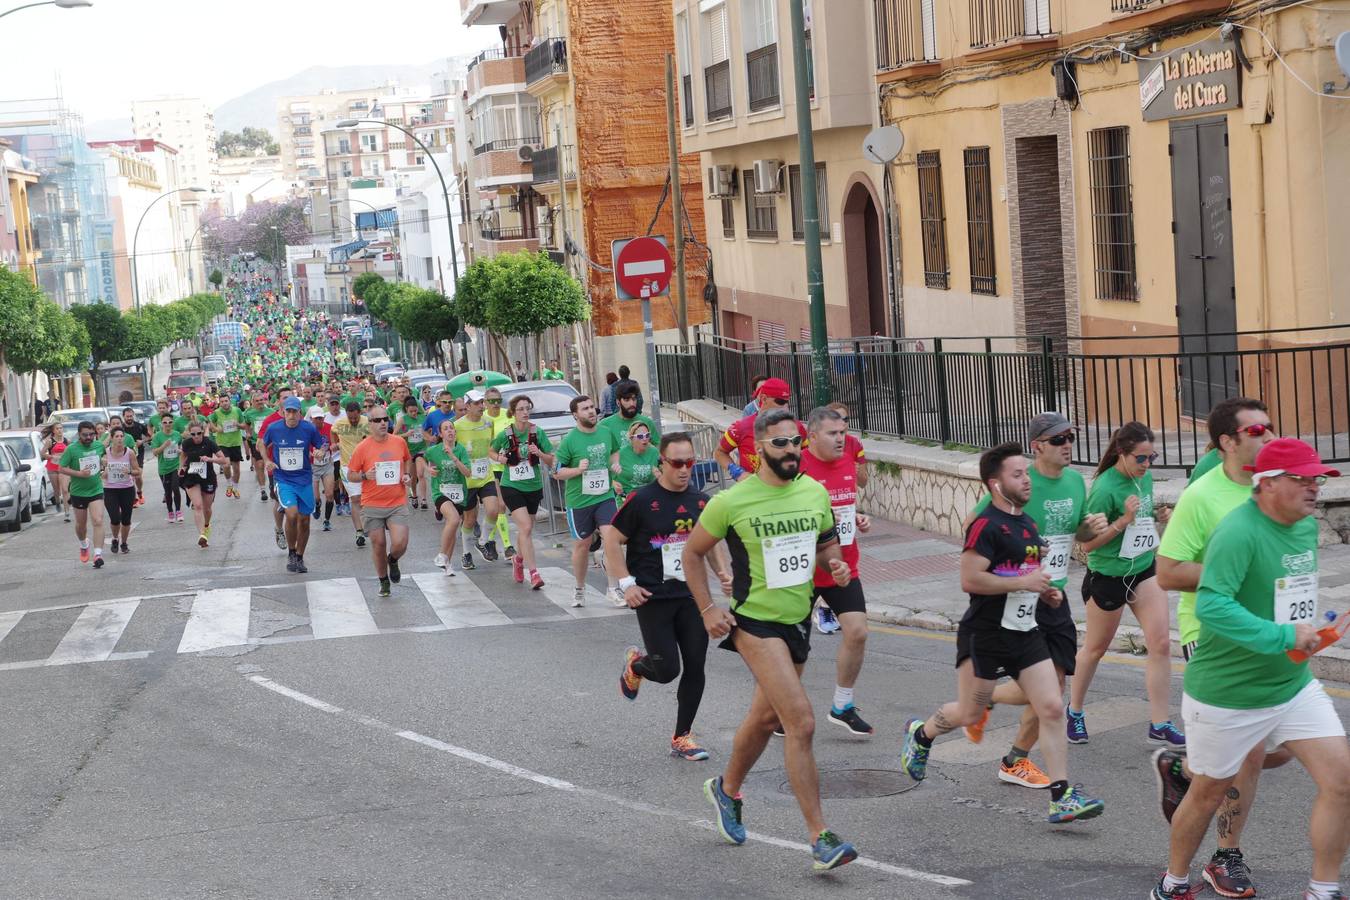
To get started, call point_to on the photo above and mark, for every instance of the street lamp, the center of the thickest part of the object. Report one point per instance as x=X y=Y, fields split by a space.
x=201 y=226
x=135 y=269
x=63 y=4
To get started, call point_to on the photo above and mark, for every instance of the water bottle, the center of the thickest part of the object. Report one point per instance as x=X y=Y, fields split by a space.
x=1329 y=634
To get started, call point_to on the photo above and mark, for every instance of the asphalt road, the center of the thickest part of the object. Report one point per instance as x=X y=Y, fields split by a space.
x=212 y=727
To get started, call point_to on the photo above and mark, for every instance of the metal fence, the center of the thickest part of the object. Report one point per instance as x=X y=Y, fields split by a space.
x=979 y=392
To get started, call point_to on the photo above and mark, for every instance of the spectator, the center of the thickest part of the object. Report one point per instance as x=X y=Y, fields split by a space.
x=752 y=407
x=519 y=369
x=607 y=406
x=625 y=378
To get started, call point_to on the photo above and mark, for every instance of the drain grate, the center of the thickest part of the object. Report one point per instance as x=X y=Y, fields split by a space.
x=859 y=784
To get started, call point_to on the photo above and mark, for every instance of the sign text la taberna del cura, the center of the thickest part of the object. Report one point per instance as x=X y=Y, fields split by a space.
x=1203 y=79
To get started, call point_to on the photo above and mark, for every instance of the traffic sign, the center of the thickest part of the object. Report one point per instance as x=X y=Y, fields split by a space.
x=643 y=267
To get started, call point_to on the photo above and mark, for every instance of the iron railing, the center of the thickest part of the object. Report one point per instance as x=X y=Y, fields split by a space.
x=717 y=90
x=492 y=53
x=546 y=59
x=979 y=392
x=761 y=68
x=507 y=144
x=900 y=34
x=995 y=22
x=1129 y=6
x=510 y=233
x=548 y=164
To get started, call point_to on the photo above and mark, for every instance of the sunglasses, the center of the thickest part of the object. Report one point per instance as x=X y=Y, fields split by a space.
x=781 y=442
x=1145 y=458
x=194 y=434
x=678 y=463
x=378 y=419
x=1307 y=480
x=1060 y=440
x=1255 y=431
x=777 y=401
x=642 y=437
x=495 y=400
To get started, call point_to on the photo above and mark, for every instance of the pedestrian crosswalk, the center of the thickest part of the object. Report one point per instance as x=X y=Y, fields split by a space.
x=225 y=619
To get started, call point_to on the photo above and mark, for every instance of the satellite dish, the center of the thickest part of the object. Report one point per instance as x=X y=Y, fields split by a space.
x=883 y=145
x=1343 y=52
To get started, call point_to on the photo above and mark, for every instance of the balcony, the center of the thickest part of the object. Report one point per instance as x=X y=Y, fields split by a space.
x=507 y=144
x=1155 y=13
x=494 y=68
x=301 y=130
x=546 y=64
x=496 y=239
x=717 y=90
x=488 y=12
x=903 y=38
x=546 y=167
x=761 y=67
x=996 y=24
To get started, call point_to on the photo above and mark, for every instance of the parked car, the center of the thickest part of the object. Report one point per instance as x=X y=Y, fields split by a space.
x=27 y=446
x=550 y=399
x=72 y=417
x=145 y=411
x=16 y=497
x=437 y=381
x=184 y=382
x=368 y=357
x=386 y=372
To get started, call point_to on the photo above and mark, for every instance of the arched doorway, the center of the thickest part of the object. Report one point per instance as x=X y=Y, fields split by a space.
x=865 y=269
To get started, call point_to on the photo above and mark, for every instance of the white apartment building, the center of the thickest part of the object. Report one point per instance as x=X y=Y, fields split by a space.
x=189 y=126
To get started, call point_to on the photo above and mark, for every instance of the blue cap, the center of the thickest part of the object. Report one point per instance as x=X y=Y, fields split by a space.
x=291 y=403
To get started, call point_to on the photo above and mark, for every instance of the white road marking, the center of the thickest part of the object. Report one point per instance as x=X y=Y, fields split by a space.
x=219 y=618
x=1104 y=715
x=95 y=633
x=337 y=608
x=458 y=602
x=559 y=784
x=8 y=621
x=38 y=663
x=559 y=586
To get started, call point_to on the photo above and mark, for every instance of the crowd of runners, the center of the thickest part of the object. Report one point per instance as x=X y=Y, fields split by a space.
x=782 y=543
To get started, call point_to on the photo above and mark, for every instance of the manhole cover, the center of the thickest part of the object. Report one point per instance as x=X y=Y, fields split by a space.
x=859 y=784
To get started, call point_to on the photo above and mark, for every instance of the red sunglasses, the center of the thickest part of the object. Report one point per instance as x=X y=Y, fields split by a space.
x=1255 y=431
x=678 y=463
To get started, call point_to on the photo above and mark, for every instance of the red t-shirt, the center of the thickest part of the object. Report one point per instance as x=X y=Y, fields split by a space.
x=741 y=437
x=853 y=449
x=267 y=423
x=840 y=479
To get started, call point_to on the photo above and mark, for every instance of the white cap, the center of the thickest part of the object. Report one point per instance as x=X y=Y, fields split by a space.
x=475 y=396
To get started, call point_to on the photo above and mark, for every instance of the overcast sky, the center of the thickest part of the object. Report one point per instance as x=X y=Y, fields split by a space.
x=116 y=51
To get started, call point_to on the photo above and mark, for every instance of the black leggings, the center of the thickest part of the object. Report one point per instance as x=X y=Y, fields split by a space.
x=119 y=502
x=672 y=630
x=173 y=495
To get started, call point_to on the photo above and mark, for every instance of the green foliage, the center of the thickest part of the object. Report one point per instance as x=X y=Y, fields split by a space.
x=107 y=332
x=472 y=291
x=363 y=281
x=20 y=321
x=423 y=315
x=217 y=277
x=528 y=293
x=53 y=340
x=377 y=298
x=248 y=142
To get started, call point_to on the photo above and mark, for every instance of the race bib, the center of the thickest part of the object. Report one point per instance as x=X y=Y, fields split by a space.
x=197 y=468
x=387 y=473
x=231 y=426
x=1056 y=559
x=119 y=471
x=1296 y=599
x=321 y=456
x=480 y=469
x=291 y=459
x=1141 y=536
x=170 y=451
x=1019 y=611
x=595 y=482
x=454 y=493
x=89 y=464
x=846 y=524
x=672 y=561
x=789 y=560
x=521 y=471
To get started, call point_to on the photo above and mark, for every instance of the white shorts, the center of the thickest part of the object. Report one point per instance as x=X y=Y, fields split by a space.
x=1218 y=739
x=353 y=488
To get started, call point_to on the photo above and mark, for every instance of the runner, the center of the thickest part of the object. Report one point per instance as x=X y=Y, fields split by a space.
x=644 y=549
x=473 y=432
x=288 y=445
x=120 y=470
x=410 y=422
x=81 y=463
x=165 y=446
x=826 y=460
x=351 y=431
x=1057 y=506
x=998 y=636
x=278 y=512
x=500 y=422
x=196 y=468
x=226 y=424
x=779 y=527
x=1257 y=599
x=638 y=460
x=445 y=410
x=137 y=436
x=522 y=449
x=254 y=415
x=1121 y=571
x=381 y=464
x=322 y=458
x=587 y=456
x=622 y=422
x=1239 y=427
x=774 y=393
x=53 y=445
x=448 y=467
x=826 y=623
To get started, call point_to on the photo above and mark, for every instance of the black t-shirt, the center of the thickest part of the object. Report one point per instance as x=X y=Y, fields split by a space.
x=652 y=517
x=194 y=452
x=1012 y=545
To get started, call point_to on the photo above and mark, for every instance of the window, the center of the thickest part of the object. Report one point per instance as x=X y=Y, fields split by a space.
x=906 y=32
x=760 y=36
x=771 y=331
x=684 y=59
x=980 y=221
x=761 y=210
x=932 y=220
x=431 y=271
x=1112 y=213
x=717 y=72
x=368 y=142
x=822 y=202
x=728 y=217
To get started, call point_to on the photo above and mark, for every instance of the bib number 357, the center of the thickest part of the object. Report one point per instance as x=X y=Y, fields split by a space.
x=790 y=560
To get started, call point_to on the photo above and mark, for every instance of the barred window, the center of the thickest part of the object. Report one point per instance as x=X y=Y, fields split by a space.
x=980 y=221
x=1112 y=214
x=933 y=220
x=822 y=202
x=728 y=217
x=761 y=210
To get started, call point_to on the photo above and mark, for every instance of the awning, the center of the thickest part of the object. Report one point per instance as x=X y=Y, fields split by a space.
x=343 y=252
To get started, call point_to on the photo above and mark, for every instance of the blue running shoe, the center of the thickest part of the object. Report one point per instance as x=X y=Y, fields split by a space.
x=1074 y=805
x=913 y=755
x=830 y=853
x=826 y=623
x=1076 y=725
x=728 y=811
x=1166 y=734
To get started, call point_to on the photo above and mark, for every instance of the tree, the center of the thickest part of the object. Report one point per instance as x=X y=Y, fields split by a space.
x=363 y=281
x=106 y=329
x=471 y=292
x=248 y=142
x=377 y=298
x=529 y=293
x=252 y=231
x=21 y=335
x=423 y=315
x=216 y=278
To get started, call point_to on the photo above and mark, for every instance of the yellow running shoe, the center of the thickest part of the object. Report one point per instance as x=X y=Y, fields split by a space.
x=1023 y=772
x=975 y=733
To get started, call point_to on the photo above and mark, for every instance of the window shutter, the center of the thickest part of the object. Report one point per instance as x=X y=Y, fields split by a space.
x=928 y=20
x=718 y=39
x=1037 y=16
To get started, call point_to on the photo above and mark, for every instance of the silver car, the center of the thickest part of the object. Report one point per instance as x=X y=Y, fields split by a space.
x=16 y=497
x=27 y=446
x=72 y=417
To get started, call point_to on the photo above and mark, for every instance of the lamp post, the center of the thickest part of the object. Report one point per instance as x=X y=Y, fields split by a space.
x=135 y=269
x=62 y=4
x=192 y=281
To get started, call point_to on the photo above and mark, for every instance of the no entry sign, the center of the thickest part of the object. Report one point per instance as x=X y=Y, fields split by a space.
x=642 y=265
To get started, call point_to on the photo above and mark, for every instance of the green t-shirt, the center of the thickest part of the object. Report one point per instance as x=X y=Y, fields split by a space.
x=253 y=417
x=619 y=425
x=87 y=459
x=225 y=421
x=350 y=398
x=305 y=406
x=635 y=470
x=168 y=460
x=1259 y=577
x=590 y=487
x=772 y=533
x=1109 y=492
x=1057 y=507
x=1198 y=512
x=500 y=423
x=476 y=439
x=534 y=479
x=447 y=473
x=181 y=423
x=416 y=438
x=1203 y=465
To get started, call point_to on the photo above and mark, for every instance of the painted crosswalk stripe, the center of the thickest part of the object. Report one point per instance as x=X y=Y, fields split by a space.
x=8 y=621
x=95 y=633
x=558 y=587
x=458 y=602
x=337 y=608
x=219 y=618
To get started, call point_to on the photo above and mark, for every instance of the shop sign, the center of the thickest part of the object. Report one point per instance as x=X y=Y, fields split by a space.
x=1202 y=79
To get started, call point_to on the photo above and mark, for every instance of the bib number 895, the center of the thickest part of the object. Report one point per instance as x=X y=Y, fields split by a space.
x=787 y=564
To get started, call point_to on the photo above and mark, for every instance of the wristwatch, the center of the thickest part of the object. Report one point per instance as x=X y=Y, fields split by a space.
x=626 y=583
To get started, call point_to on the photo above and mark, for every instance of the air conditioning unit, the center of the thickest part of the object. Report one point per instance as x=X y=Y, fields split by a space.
x=721 y=181
x=766 y=176
x=526 y=152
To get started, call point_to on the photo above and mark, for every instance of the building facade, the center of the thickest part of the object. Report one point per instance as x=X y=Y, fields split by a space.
x=17 y=249
x=189 y=126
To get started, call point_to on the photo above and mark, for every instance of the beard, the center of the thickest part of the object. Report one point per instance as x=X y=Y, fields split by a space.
x=785 y=467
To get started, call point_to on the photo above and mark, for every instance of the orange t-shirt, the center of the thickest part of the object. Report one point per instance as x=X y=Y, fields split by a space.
x=391 y=460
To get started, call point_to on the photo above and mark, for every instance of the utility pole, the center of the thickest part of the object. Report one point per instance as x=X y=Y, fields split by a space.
x=677 y=205
x=815 y=279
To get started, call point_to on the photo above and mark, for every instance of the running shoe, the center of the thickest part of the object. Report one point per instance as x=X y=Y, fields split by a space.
x=1076 y=725
x=913 y=755
x=424 y=504
x=579 y=598
x=489 y=551
x=207 y=531
x=1227 y=872
x=179 y=514
x=140 y=500
x=360 y=539
x=467 y=562
x=685 y=747
x=510 y=552
x=630 y=681
x=327 y=525
x=1023 y=772
x=1073 y=806
x=125 y=548
x=394 y=574
x=615 y=597
x=975 y=733
x=290 y=561
x=262 y=495
x=67 y=513
x=202 y=540
x=300 y=565
x=518 y=569
x=830 y=853
x=1181 y=892
x=849 y=719
x=1335 y=895
x=441 y=561
x=315 y=514
x=536 y=581
x=826 y=622
x=98 y=561
x=114 y=547
x=728 y=811
x=1172 y=781
x=778 y=731
x=281 y=540
x=384 y=587
x=170 y=520
x=1166 y=733
x=84 y=554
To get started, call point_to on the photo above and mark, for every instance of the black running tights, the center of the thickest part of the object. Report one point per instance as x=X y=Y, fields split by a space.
x=672 y=630
x=173 y=497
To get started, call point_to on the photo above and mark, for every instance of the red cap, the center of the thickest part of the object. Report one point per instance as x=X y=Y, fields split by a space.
x=776 y=388
x=1290 y=456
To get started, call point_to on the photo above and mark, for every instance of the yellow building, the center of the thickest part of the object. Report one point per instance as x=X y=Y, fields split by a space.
x=17 y=247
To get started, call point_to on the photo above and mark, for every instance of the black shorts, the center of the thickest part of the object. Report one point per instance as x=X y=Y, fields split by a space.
x=233 y=454
x=253 y=452
x=207 y=485
x=996 y=654
x=1061 y=638
x=441 y=499
x=848 y=598
x=1111 y=592
x=797 y=637
x=417 y=454
x=83 y=502
x=585 y=521
x=528 y=500
x=473 y=495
